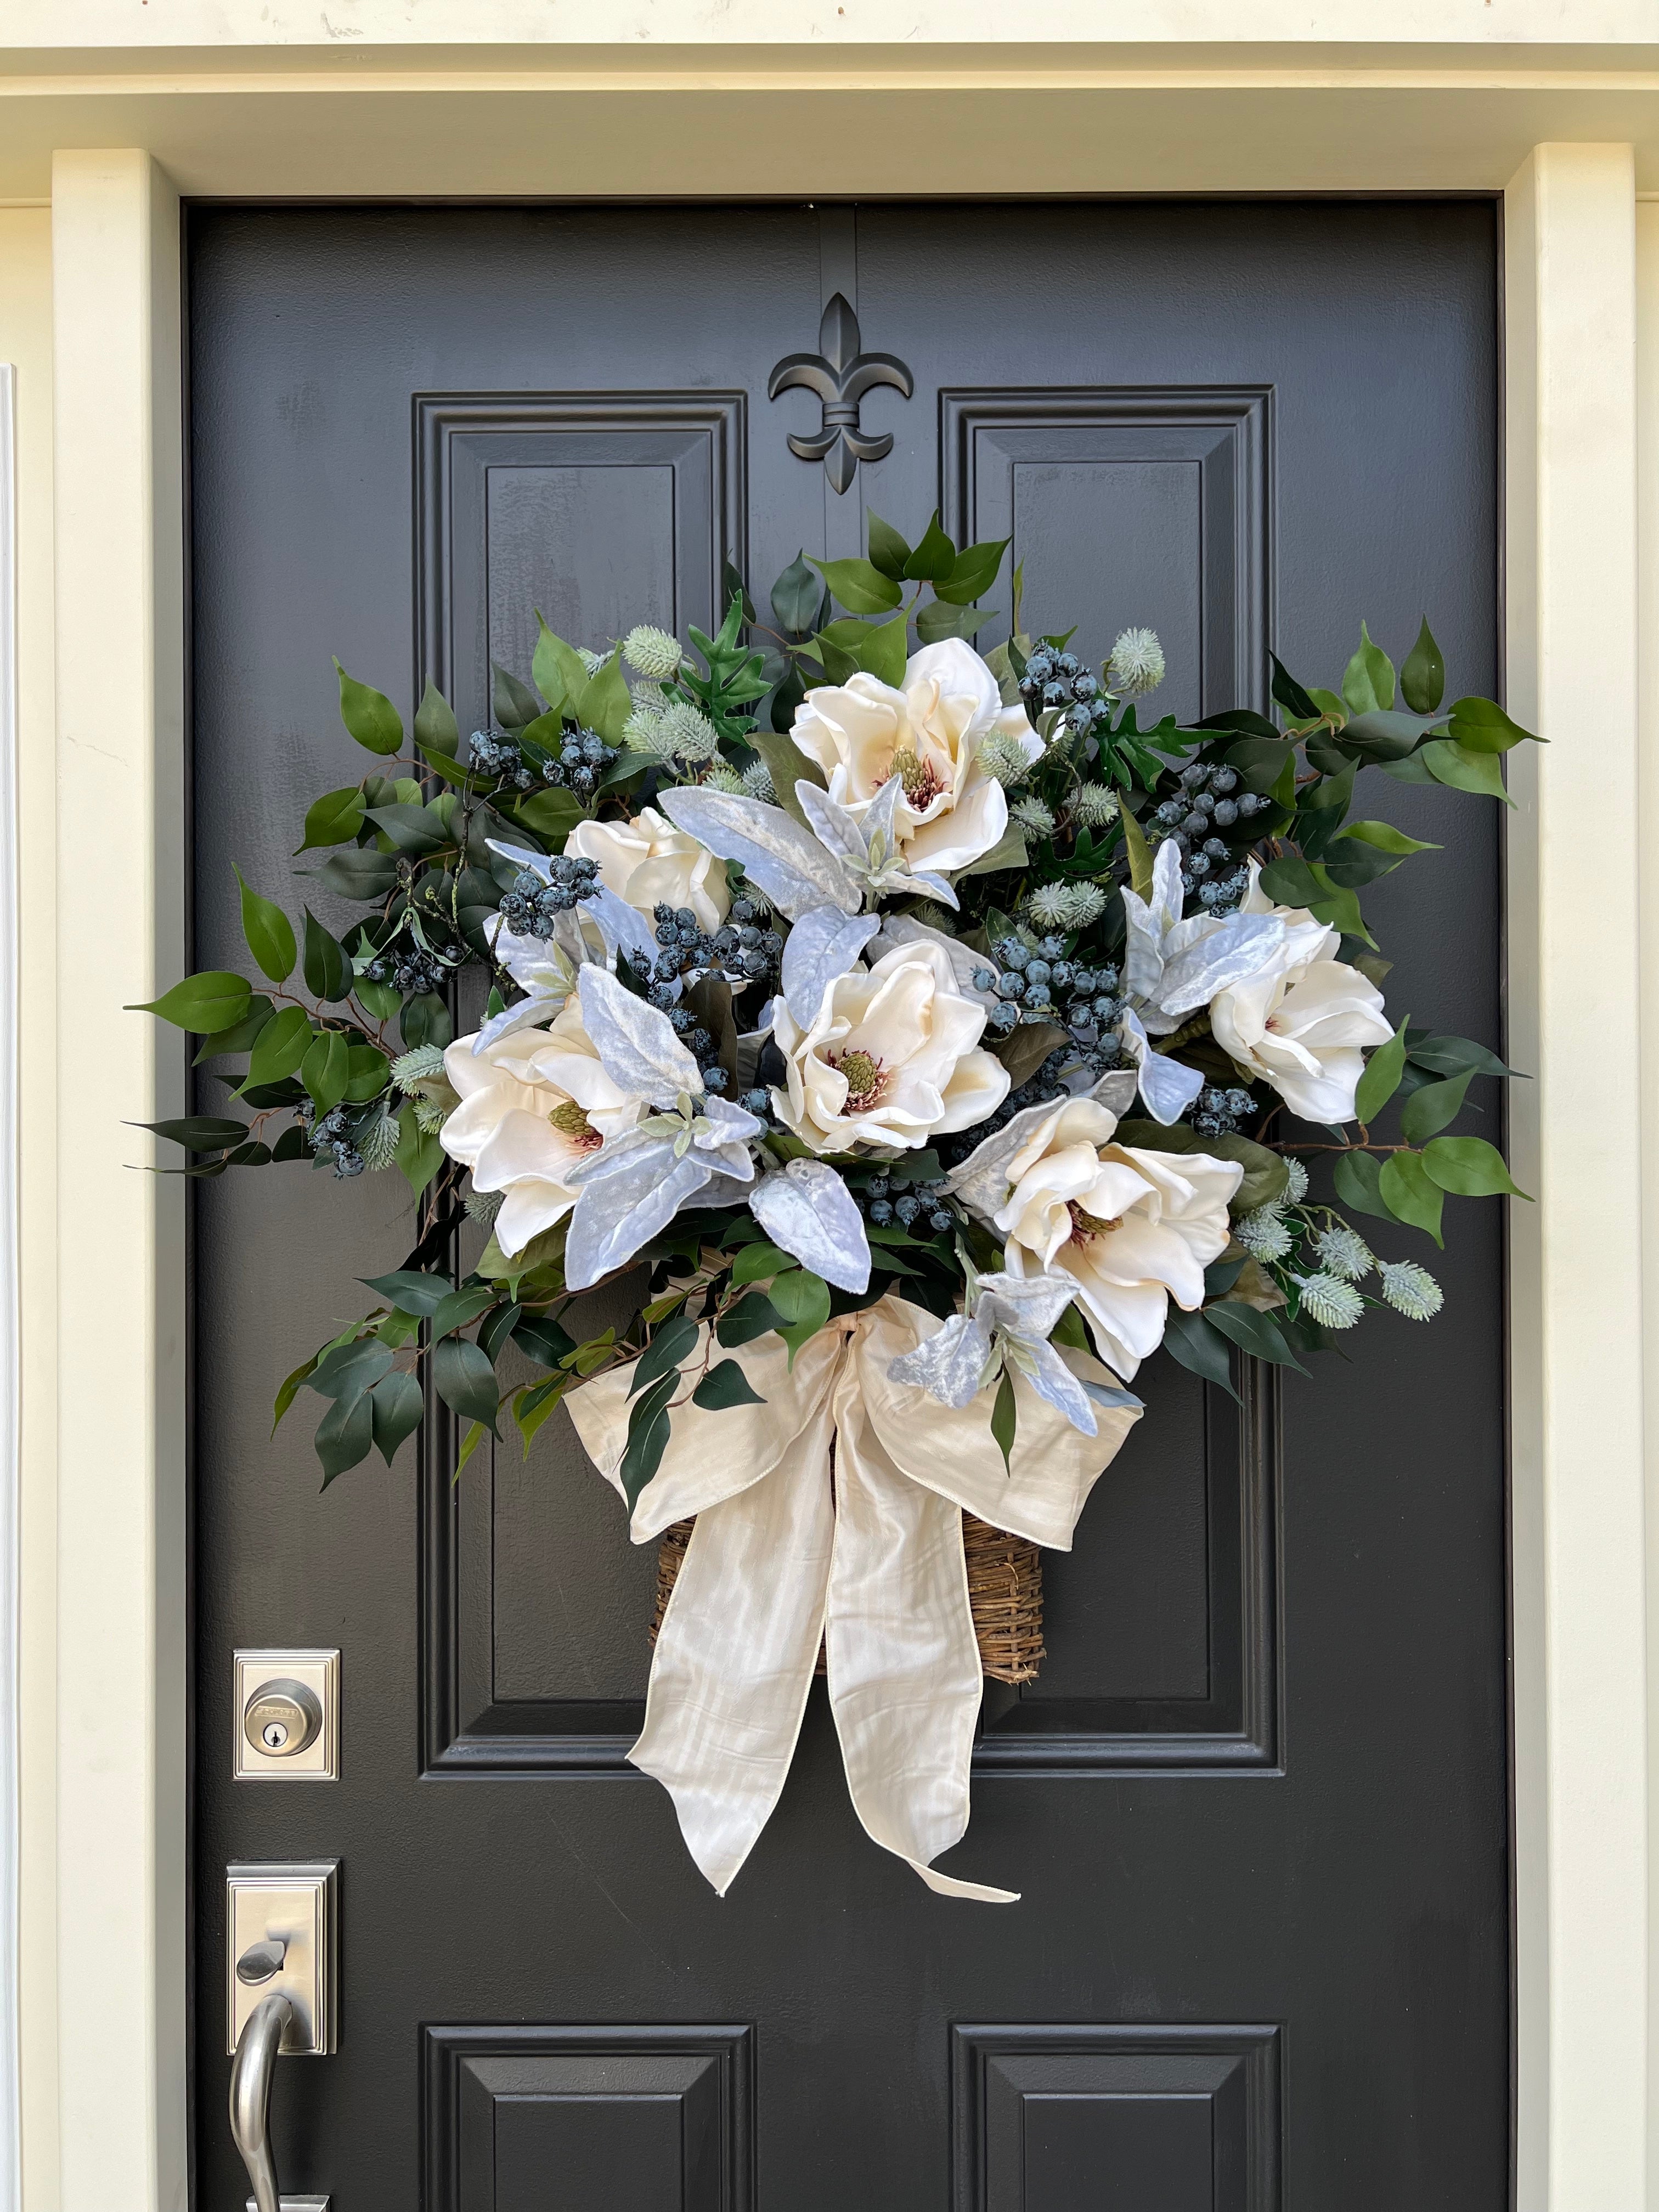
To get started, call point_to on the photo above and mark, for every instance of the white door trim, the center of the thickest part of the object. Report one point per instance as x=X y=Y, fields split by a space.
x=10 y=1348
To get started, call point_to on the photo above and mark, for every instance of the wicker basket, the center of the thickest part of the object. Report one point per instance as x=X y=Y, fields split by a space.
x=1004 y=1588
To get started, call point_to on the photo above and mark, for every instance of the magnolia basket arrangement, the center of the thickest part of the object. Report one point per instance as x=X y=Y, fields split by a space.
x=919 y=1042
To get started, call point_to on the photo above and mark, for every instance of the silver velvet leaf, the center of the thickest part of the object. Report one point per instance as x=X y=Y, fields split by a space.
x=951 y=1365
x=1240 y=944
x=1023 y=1306
x=618 y=1212
x=793 y=869
x=821 y=946
x=636 y=1043
x=1167 y=1086
x=624 y=928
x=522 y=857
x=807 y=1210
x=981 y=1181
x=523 y=1014
x=836 y=829
x=1054 y=1380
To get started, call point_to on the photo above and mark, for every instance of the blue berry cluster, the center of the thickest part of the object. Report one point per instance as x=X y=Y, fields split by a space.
x=1040 y=984
x=1218 y=1113
x=888 y=1198
x=409 y=970
x=1204 y=805
x=531 y=907
x=579 y=765
x=739 y=951
x=1055 y=679
x=332 y=1137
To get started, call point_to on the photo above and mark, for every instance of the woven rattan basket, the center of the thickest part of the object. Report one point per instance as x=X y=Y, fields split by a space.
x=1004 y=1588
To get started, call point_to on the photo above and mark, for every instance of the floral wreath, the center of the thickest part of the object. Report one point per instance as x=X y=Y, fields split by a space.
x=924 y=1041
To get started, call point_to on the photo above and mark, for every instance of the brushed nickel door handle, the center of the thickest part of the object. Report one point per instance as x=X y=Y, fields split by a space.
x=250 y=2095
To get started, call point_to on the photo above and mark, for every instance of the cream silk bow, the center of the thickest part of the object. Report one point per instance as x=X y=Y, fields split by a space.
x=867 y=1556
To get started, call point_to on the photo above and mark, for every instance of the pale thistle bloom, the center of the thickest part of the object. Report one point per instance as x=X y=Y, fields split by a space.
x=431 y=1114
x=643 y=732
x=1066 y=906
x=1329 y=1301
x=722 y=778
x=417 y=1066
x=687 y=733
x=1344 y=1252
x=1411 y=1289
x=378 y=1143
x=1265 y=1234
x=483 y=1206
x=1094 y=806
x=1007 y=759
x=756 y=782
x=1136 y=666
x=1031 y=814
x=652 y=653
x=1295 y=1183
x=591 y=661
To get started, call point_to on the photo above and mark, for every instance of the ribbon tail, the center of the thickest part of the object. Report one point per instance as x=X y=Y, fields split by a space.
x=905 y=1679
x=733 y=1664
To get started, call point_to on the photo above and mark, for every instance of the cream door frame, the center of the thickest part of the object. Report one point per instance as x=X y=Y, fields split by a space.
x=1582 y=406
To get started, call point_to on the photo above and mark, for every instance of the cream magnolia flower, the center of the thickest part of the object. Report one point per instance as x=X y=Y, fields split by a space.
x=929 y=733
x=533 y=1104
x=1299 y=1024
x=649 y=860
x=1135 y=1229
x=891 y=1059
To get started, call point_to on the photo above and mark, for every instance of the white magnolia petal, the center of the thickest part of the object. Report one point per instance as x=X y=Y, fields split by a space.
x=1240 y=945
x=836 y=829
x=635 y=1042
x=1143 y=957
x=820 y=947
x=793 y=869
x=1167 y=1086
x=539 y=1006
x=949 y=1366
x=981 y=1181
x=624 y=928
x=807 y=1210
x=617 y=1213
x=1054 y=1380
x=905 y=929
x=1167 y=891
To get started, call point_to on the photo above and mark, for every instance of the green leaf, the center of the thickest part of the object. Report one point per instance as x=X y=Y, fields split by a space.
x=974 y=572
x=326 y=1069
x=1409 y=1191
x=674 y=1342
x=540 y=1338
x=1454 y=764
x=726 y=1385
x=1008 y=852
x=888 y=551
x=419 y=1156
x=396 y=1406
x=204 y=1005
x=1189 y=1338
x=1291 y=882
x=1385 y=838
x=240 y=1036
x=515 y=704
x=535 y=1402
x=1140 y=857
x=435 y=727
x=933 y=560
x=1470 y=1168
x=346 y=1435
x=465 y=1380
x=410 y=1291
x=756 y=1261
x=494 y=1330
x=425 y=1020
x=1450 y=1056
x=795 y=597
x=470 y=1443
x=346 y=1370
x=1423 y=673
x=939 y=619
x=1258 y=1334
x=1005 y=1417
x=1382 y=1077
x=557 y=667
x=283 y=1043
x=1355 y=1176
x=551 y=815
x=417 y=830
x=369 y=715
x=802 y=1301
x=368 y=1070
x=1383 y=736
x=604 y=704
x=884 y=652
x=1427 y=1111
x=359 y=875
x=461 y=1307
x=858 y=585
x=648 y=1437
x=1368 y=680
x=1480 y=726
x=1068 y=1330
x=198 y=1132
x=1290 y=694
x=333 y=819
x=289 y=1390
x=328 y=972
x=750 y=1317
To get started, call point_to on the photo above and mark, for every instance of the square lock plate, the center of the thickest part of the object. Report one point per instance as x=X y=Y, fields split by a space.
x=295 y=1911
x=278 y=1694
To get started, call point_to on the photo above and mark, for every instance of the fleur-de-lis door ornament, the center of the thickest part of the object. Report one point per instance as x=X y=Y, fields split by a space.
x=841 y=375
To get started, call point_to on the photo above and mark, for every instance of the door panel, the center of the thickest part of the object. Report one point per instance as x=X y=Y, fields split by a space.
x=1256 y=1801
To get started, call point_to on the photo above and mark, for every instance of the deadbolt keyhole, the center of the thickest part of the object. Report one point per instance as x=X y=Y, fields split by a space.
x=282 y=1719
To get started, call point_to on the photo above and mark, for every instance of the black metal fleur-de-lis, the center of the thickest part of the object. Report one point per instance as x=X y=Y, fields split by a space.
x=841 y=375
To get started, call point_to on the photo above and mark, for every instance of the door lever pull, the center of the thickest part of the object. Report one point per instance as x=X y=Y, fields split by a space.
x=250 y=2095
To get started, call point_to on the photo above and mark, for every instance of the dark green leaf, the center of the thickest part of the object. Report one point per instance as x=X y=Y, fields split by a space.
x=884 y=652
x=326 y=1069
x=493 y=1331
x=756 y=1261
x=204 y=1005
x=802 y=1301
x=540 y=1337
x=269 y=931
x=533 y=1405
x=412 y=828
x=350 y=1368
x=419 y=1156
x=973 y=572
x=787 y=766
x=1427 y=1111
x=552 y=815
x=1291 y=882
x=411 y=1291
x=345 y=1434
x=1480 y=726
x=1423 y=673
x=289 y=1390
x=359 y=874
x=1383 y=736
x=795 y=597
x=242 y=1035
x=426 y=1020
x=367 y=1071
x=461 y=1307
x=1005 y=1418
x=674 y=1342
x=859 y=586
x=939 y=619
x=435 y=728
x=1381 y=1076
x=1450 y=1056
x=1291 y=694
x=725 y=1384
x=465 y=1380
x=328 y=972
x=1258 y=1334
x=1410 y=1193
x=648 y=1437
x=515 y=704
x=750 y=1317
x=396 y=1406
x=1355 y=1176
x=888 y=551
x=1189 y=1338
x=283 y=1043
x=1470 y=1167
x=198 y=1132
x=333 y=819
x=1451 y=764
x=934 y=559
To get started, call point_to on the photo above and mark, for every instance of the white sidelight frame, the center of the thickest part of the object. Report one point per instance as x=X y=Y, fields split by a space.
x=1581 y=432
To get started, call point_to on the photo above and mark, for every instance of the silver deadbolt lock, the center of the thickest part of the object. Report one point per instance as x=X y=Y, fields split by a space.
x=282 y=1719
